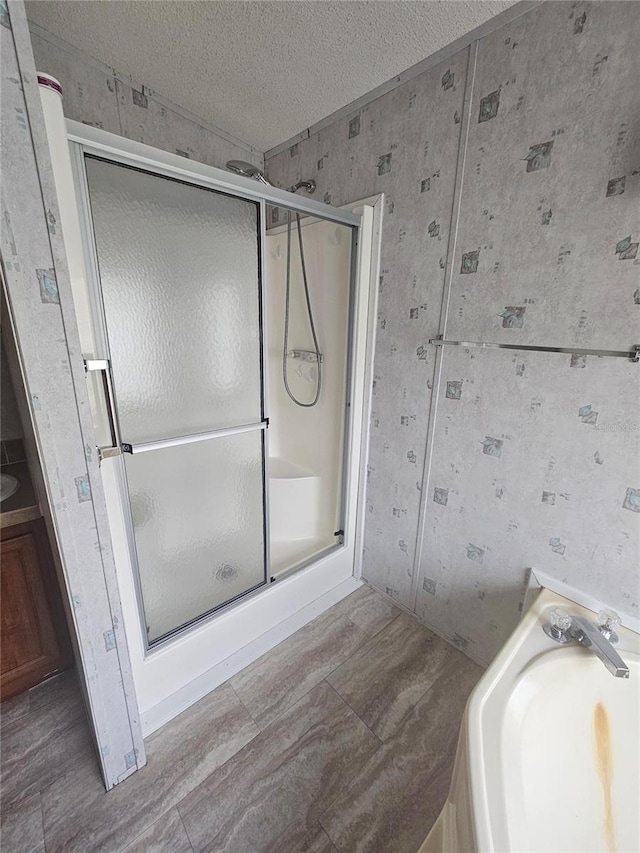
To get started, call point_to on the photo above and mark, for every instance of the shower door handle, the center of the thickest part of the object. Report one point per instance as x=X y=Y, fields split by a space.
x=103 y=367
x=175 y=441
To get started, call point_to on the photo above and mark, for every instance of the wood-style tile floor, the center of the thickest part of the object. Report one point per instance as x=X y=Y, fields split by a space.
x=341 y=738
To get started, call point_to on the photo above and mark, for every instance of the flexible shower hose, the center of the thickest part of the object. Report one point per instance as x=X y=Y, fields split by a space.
x=309 y=312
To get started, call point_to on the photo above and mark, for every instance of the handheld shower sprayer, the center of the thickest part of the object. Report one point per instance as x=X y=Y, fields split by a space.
x=247 y=170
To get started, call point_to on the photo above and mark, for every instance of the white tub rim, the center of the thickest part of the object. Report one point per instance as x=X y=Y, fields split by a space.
x=488 y=704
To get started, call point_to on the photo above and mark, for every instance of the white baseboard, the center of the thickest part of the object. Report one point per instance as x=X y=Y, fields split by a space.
x=155 y=717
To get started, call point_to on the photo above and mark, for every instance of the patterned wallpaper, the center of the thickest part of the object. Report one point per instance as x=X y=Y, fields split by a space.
x=550 y=223
x=534 y=457
x=97 y=95
x=534 y=464
x=39 y=296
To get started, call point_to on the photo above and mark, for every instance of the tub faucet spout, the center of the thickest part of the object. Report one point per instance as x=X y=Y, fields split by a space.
x=590 y=636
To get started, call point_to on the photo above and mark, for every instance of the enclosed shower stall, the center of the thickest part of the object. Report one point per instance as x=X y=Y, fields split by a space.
x=227 y=329
x=221 y=321
x=231 y=444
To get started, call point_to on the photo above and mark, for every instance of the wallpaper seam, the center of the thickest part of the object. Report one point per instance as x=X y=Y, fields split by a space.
x=456 y=207
x=116 y=95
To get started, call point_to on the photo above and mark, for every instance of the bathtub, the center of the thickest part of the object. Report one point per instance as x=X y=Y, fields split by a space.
x=549 y=747
x=294 y=501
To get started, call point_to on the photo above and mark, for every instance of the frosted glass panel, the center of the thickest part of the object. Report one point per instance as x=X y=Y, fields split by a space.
x=198 y=519
x=179 y=274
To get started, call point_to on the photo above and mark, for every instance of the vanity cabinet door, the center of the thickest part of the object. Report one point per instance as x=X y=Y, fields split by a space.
x=34 y=641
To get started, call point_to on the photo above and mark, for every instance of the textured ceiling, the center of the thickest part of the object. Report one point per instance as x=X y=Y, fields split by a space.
x=266 y=70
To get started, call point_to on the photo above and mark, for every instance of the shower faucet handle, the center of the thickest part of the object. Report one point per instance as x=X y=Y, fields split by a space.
x=608 y=621
x=558 y=625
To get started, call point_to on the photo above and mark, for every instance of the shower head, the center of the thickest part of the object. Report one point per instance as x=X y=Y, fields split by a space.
x=247 y=170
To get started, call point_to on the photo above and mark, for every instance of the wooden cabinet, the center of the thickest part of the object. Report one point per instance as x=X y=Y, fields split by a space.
x=34 y=636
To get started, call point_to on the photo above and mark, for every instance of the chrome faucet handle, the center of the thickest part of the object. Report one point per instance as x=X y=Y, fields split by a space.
x=608 y=621
x=558 y=625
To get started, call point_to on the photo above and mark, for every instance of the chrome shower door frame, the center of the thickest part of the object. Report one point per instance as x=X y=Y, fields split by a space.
x=89 y=141
x=100 y=333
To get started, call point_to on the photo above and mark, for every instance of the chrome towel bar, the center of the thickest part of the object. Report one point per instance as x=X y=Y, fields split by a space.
x=633 y=354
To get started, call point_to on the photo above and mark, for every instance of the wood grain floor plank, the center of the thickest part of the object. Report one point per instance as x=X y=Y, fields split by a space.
x=299 y=838
x=291 y=771
x=14 y=709
x=394 y=800
x=79 y=815
x=368 y=609
x=62 y=689
x=282 y=676
x=390 y=673
x=41 y=747
x=21 y=830
x=166 y=835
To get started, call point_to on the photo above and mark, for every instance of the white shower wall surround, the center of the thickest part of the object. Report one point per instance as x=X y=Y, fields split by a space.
x=512 y=177
x=310 y=439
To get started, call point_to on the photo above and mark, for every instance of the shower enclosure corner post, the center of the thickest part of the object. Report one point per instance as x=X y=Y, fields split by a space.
x=264 y=354
x=365 y=310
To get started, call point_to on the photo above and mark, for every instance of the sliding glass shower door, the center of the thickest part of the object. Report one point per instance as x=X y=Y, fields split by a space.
x=179 y=270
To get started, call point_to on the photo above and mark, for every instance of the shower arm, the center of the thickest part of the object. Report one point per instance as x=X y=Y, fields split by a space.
x=248 y=170
x=309 y=186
